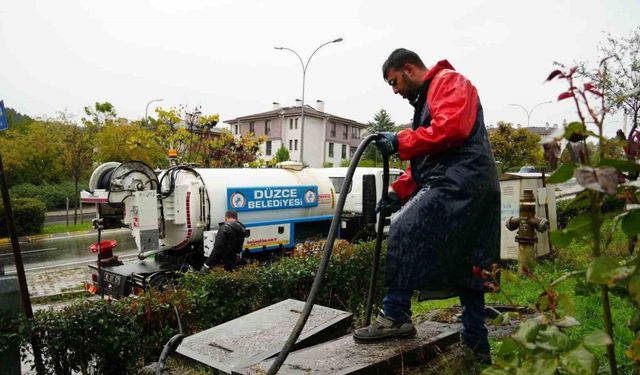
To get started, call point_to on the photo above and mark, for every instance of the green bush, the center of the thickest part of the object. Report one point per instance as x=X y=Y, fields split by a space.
x=53 y=195
x=117 y=337
x=565 y=210
x=28 y=216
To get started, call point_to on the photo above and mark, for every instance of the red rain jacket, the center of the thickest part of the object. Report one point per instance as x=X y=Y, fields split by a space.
x=453 y=102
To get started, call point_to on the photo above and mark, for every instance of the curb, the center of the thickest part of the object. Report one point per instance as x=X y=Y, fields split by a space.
x=59 y=297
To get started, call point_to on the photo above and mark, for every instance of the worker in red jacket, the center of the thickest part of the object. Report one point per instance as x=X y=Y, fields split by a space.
x=448 y=201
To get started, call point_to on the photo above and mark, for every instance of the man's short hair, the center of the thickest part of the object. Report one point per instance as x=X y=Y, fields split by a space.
x=231 y=214
x=398 y=58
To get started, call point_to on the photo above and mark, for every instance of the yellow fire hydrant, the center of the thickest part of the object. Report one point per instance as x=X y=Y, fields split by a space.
x=526 y=225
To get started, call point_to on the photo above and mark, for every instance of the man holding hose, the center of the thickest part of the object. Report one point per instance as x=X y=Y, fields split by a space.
x=448 y=201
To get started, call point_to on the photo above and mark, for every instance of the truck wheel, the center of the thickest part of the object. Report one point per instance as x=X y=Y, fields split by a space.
x=193 y=260
x=161 y=281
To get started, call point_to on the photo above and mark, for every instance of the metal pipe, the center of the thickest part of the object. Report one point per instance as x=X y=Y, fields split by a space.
x=146 y=254
x=378 y=248
x=98 y=224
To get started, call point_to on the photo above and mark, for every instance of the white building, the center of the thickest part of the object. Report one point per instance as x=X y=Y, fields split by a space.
x=328 y=139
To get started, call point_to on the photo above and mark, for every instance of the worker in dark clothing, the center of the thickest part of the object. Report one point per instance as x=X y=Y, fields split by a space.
x=448 y=201
x=228 y=244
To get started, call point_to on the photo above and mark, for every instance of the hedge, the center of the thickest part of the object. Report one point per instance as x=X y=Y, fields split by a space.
x=567 y=209
x=118 y=337
x=53 y=195
x=28 y=216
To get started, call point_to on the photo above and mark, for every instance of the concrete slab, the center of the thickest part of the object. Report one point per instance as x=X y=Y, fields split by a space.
x=250 y=339
x=344 y=356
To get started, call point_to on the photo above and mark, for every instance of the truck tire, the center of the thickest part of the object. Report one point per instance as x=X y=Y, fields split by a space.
x=161 y=281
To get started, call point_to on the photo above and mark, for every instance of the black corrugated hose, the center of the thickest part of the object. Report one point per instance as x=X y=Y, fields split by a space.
x=170 y=346
x=326 y=255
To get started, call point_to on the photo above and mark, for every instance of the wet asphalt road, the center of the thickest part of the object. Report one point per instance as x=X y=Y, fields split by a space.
x=64 y=252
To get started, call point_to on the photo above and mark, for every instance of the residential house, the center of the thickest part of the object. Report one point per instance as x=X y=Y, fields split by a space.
x=328 y=139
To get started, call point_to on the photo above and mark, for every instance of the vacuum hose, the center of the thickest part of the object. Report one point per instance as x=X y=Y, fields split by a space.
x=171 y=345
x=326 y=255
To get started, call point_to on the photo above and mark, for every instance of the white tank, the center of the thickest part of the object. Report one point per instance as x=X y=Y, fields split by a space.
x=258 y=195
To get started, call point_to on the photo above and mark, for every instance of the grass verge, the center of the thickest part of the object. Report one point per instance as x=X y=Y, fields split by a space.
x=63 y=228
x=587 y=309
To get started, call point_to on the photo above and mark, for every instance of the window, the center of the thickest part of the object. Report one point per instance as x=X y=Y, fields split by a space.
x=330 y=150
x=267 y=127
x=344 y=151
x=333 y=130
x=252 y=128
x=291 y=144
x=290 y=123
x=354 y=132
x=296 y=145
x=352 y=151
x=393 y=177
x=337 y=184
x=268 y=148
x=235 y=129
x=296 y=123
x=345 y=132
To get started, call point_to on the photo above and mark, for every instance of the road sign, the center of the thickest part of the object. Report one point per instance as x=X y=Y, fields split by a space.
x=4 y=125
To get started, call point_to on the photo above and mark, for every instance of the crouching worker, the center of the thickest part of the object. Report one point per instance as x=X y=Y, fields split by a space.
x=227 y=245
x=447 y=202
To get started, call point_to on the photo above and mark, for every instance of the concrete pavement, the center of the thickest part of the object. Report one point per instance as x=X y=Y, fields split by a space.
x=55 y=282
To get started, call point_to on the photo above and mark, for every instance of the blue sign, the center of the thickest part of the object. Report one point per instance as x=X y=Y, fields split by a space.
x=4 y=125
x=271 y=197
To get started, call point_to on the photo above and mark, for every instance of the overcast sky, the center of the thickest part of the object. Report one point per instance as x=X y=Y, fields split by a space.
x=57 y=55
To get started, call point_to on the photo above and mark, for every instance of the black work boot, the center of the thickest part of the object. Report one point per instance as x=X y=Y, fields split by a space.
x=383 y=328
x=475 y=360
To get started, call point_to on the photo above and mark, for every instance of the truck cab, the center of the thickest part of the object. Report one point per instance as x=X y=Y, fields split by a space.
x=359 y=218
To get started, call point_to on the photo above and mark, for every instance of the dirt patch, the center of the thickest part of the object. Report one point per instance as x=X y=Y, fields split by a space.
x=456 y=359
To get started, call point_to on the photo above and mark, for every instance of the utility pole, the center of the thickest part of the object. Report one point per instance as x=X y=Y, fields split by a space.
x=15 y=245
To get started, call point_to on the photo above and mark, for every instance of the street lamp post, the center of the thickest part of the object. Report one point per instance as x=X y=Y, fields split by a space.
x=146 y=110
x=304 y=74
x=529 y=112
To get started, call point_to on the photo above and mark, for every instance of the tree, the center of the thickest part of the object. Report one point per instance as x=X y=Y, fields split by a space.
x=227 y=151
x=282 y=154
x=187 y=131
x=621 y=83
x=100 y=114
x=515 y=147
x=381 y=123
x=124 y=142
x=32 y=153
x=17 y=119
x=77 y=155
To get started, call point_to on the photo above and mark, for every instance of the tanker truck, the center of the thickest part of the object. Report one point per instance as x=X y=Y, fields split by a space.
x=174 y=215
